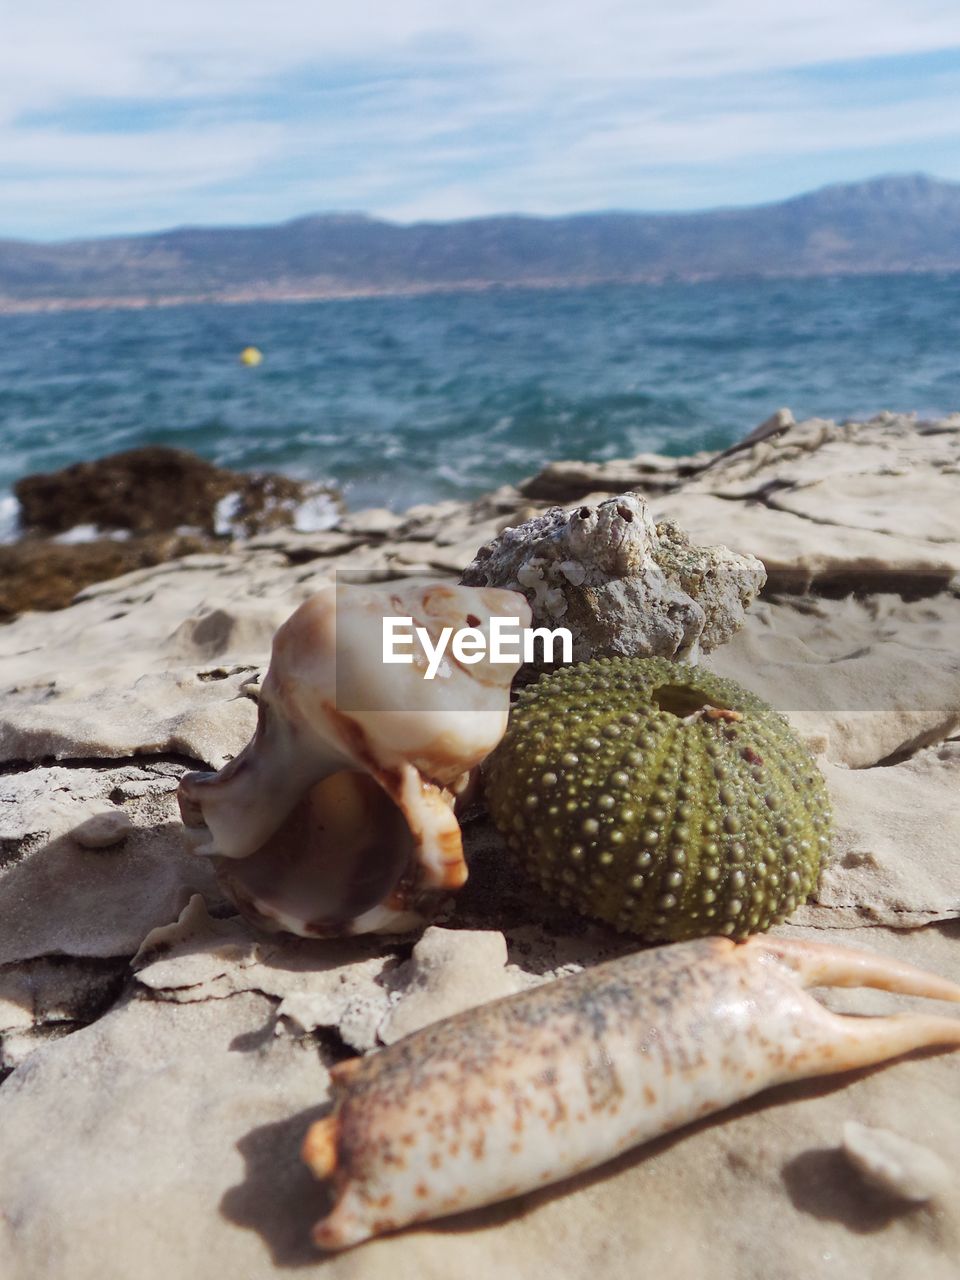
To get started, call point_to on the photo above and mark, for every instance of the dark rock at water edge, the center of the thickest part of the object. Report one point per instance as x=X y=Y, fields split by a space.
x=40 y=574
x=158 y=489
x=150 y=504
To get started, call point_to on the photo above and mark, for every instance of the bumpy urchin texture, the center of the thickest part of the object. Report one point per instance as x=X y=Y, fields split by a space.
x=665 y=800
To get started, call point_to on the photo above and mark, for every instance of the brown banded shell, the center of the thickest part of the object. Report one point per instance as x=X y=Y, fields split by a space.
x=665 y=800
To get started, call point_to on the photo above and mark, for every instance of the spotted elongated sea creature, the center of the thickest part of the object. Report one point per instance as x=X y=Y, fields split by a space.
x=527 y=1090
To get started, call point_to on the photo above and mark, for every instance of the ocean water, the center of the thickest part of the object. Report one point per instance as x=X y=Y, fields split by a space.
x=401 y=400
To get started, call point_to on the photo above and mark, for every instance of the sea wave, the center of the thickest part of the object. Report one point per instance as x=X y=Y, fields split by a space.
x=404 y=400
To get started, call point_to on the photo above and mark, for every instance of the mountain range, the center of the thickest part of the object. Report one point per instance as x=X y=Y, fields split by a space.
x=895 y=223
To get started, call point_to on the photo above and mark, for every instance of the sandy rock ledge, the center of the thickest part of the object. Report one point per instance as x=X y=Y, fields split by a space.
x=160 y=1061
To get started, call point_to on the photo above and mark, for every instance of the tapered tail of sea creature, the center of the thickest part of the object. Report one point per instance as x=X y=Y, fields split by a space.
x=849 y=1041
x=822 y=964
x=865 y=1042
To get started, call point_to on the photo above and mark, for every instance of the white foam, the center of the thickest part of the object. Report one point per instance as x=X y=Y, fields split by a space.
x=90 y=533
x=9 y=518
x=225 y=513
x=79 y=533
x=316 y=513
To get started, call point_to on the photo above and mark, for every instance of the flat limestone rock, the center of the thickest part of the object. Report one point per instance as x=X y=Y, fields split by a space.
x=168 y=713
x=799 y=554
x=875 y=502
x=353 y=986
x=139 y=1145
x=863 y=680
x=858 y=505
x=572 y=481
x=819 y=502
x=197 y=956
x=371 y=521
x=52 y=996
x=163 y=1138
x=141 y=679
x=896 y=848
x=208 y=1107
x=808 y=451
x=335 y=984
x=450 y=970
x=59 y=897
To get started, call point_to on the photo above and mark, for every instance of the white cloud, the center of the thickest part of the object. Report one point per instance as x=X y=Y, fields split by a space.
x=56 y=47
x=421 y=109
x=211 y=154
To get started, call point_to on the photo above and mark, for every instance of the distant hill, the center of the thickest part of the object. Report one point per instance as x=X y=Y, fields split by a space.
x=889 y=224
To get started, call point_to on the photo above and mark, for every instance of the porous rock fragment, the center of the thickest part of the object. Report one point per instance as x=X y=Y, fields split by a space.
x=622 y=584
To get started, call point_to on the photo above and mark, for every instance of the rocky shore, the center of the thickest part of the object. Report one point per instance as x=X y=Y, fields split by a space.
x=131 y=510
x=160 y=1061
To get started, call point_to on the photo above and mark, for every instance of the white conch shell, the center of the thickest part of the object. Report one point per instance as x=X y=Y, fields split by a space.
x=337 y=817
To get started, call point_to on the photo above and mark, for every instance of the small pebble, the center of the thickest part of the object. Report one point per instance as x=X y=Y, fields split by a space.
x=896 y=1165
x=103 y=830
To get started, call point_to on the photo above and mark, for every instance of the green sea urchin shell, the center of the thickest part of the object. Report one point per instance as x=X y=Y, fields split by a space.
x=665 y=800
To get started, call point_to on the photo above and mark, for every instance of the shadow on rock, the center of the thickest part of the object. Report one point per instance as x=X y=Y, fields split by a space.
x=279 y=1198
x=822 y=1182
x=251 y=1041
x=63 y=899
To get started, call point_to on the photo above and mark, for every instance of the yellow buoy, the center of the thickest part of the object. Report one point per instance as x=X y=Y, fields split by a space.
x=251 y=355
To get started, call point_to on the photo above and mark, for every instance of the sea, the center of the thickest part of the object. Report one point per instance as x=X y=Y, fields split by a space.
x=400 y=400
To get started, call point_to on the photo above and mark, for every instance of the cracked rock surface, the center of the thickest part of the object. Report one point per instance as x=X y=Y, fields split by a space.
x=160 y=1061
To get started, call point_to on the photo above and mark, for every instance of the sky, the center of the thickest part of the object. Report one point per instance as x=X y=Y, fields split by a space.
x=126 y=116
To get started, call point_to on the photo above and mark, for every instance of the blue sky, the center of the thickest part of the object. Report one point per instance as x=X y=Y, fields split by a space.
x=123 y=116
